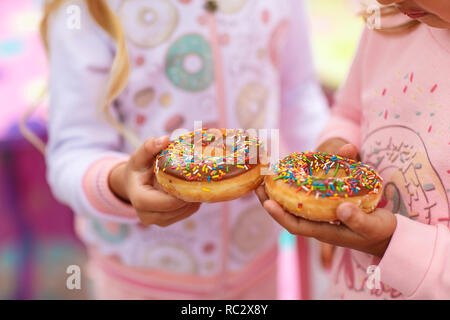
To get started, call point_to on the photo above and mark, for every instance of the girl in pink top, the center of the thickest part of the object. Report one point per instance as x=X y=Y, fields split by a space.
x=149 y=67
x=394 y=112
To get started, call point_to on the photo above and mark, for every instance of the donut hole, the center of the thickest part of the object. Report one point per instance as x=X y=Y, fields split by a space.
x=213 y=151
x=192 y=63
x=148 y=16
x=254 y=107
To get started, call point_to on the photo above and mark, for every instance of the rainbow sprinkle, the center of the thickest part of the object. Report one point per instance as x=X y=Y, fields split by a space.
x=210 y=155
x=308 y=172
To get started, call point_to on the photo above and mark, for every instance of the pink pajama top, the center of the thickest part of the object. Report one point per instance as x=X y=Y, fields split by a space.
x=247 y=65
x=395 y=107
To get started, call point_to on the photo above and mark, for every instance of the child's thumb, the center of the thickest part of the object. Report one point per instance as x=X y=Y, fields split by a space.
x=354 y=218
x=348 y=151
x=144 y=156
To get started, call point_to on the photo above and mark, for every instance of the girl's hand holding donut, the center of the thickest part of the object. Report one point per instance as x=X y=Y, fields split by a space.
x=134 y=182
x=369 y=233
x=342 y=148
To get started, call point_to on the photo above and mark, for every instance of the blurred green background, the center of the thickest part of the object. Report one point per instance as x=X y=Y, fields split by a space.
x=336 y=28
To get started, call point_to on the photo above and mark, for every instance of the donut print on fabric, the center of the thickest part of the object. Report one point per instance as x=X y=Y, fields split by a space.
x=144 y=97
x=111 y=232
x=251 y=105
x=250 y=230
x=170 y=258
x=231 y=6
x=148 y=24
x=413 y=187
x=175 y=122
x=165 y=99
x=189 y=63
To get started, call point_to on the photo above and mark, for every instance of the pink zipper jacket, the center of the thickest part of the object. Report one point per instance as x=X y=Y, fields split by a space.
x=247 y=65
x=395 y=108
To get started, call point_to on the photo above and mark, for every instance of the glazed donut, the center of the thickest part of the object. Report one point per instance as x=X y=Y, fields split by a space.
x=313 y=184
x=111 y=232
x=210 y=165
x=231 y=6
x=189 y=63
x=251 y=106
x=169 y=257
x=148 y=24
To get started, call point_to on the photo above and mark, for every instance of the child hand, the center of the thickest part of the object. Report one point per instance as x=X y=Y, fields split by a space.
x=369 y=233
x=326 y=255
x=342 y=148
x=339 y=147
x=134 y=182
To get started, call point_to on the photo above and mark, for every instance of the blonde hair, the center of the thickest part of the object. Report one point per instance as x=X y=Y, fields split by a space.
x=389 y=11
x=119 y=72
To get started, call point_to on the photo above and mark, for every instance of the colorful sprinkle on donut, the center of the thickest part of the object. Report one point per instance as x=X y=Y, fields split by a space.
x=193 y=157
x=317 y=173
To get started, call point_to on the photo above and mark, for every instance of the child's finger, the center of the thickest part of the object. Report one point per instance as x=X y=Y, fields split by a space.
x=261 y=194
x=326 y=254
x=291 y=223
x=354 y=218
x=282 y=217
x=166 y=218
x=348 y=151
x=379 y=224
x=157 y=201
x=144 y=156
x=322 y=231
x=186 y=213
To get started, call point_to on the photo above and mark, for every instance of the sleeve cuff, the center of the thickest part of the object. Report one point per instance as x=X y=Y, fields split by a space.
x=100 y=196
x=339 y=127
x=408 y=256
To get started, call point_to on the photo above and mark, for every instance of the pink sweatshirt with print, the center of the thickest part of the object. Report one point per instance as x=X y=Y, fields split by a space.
x=395 y=107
